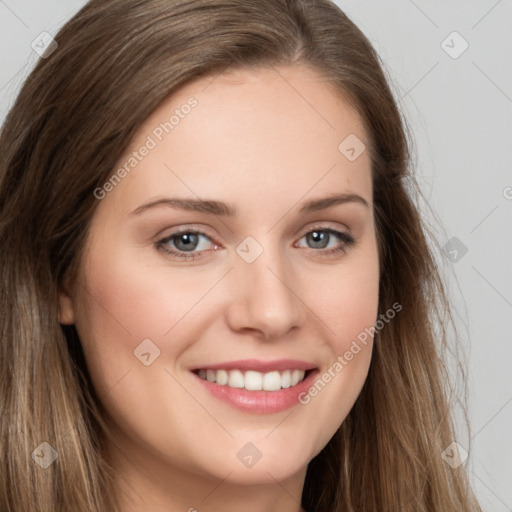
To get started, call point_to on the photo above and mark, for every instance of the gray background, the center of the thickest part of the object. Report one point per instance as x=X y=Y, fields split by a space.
x=459 y=110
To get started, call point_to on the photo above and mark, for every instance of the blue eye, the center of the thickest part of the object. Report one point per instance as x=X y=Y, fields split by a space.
x=184 y=244
x=321 y=238
x=184 y=241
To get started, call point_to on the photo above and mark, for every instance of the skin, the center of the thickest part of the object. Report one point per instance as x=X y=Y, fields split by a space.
x=265 y=141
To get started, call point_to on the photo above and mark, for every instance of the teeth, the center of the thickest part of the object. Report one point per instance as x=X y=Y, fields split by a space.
x=236 y=379
x=297 y=375
x=254 y=381
x=222 y=377
x=286 y=379
x=272 y=381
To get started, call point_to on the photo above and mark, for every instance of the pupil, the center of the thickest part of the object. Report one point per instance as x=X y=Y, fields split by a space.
x=319 y=237
x=189 y=239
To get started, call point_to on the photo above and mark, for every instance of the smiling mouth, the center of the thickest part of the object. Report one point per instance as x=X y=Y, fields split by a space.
x=253 y=380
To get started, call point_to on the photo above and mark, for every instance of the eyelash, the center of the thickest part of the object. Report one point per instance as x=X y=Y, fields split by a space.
x=347 y=242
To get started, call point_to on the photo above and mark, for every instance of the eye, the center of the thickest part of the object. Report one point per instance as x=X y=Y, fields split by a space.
x=322 y=239
x=185 y=243
x=189 y=244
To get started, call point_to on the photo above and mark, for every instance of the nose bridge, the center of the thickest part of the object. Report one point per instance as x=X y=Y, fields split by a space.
x=263 y=297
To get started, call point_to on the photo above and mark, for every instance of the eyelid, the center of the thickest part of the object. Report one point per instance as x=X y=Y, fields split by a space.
x=187 y=228
x=324 y=226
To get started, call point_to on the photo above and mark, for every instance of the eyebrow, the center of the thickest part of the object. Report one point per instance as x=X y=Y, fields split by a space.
x=226 y=210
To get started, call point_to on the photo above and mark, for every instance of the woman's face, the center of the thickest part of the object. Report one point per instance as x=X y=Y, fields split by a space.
x=273 y=277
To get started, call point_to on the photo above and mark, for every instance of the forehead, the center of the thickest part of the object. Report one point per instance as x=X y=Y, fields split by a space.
x=249 y=131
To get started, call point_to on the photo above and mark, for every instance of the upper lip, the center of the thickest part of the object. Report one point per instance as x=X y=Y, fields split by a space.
x=259 y=365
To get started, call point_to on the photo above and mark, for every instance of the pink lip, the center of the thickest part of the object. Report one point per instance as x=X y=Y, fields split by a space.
x=259 y=402
x=259 y=366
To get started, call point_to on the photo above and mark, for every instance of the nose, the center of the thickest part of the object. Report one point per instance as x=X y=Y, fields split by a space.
x=263 y=299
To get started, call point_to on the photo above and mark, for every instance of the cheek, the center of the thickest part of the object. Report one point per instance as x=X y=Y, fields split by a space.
x=131 y=299
x=126 y=301
x=121 y=304
x=125 y=304
x=347 y=299
x=355 y=318
x=354 y=307
x=347 y=302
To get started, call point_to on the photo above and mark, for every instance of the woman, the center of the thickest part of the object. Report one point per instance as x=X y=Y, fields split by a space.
x=217 y=290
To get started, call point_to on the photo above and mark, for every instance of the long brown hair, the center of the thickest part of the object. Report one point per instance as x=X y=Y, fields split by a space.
x=77 y=112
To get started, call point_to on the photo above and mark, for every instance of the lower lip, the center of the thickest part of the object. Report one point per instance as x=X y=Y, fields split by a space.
x=260 y=402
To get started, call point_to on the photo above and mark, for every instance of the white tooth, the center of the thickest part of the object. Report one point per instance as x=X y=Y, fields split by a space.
x=253 y=381
x=236 y=379
x=295 y=377
x=286 y=379
x=222 y=377
x=272 y=381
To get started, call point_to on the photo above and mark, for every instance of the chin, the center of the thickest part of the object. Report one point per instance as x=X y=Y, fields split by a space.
x=249 y=466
